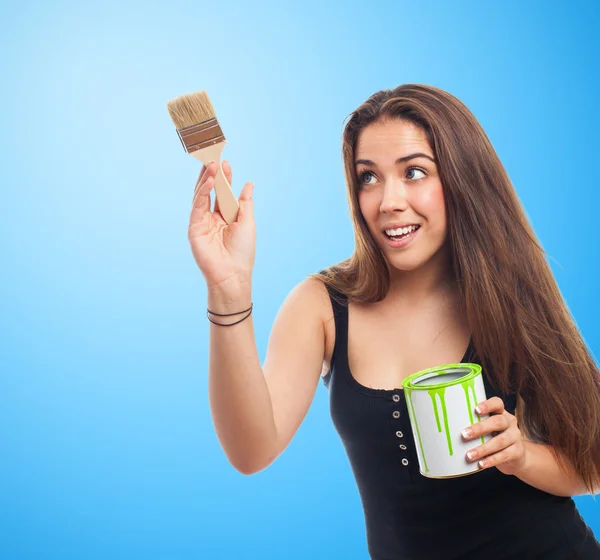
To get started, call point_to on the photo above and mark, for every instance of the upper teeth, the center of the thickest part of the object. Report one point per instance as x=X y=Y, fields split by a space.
x=400 y=231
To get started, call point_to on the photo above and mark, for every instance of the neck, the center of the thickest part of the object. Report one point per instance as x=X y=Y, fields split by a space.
x=434 y=278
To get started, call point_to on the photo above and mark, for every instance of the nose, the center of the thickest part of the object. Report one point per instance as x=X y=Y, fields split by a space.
x=393 y=197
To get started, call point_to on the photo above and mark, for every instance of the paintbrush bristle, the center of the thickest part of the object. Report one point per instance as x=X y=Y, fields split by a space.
x=190 y=109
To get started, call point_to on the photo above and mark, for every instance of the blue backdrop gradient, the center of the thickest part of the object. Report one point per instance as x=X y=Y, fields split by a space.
x=106 y=440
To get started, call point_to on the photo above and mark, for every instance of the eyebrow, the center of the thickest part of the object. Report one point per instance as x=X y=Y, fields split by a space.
x=399 y=160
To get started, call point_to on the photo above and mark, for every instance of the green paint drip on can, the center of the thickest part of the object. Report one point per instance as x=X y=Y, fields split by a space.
x=414 y=418
x=437 y=416
x=440 y=393
x=466 y=385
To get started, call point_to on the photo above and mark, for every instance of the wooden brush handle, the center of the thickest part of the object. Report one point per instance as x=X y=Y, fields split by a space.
x=228 y=205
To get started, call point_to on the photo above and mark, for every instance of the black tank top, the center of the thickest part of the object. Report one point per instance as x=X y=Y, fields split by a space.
x=410 y=517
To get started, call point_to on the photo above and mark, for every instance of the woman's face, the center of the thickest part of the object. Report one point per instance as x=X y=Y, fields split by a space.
x=399 y=188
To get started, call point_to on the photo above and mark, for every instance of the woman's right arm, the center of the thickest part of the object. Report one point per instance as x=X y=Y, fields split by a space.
x=256 y=410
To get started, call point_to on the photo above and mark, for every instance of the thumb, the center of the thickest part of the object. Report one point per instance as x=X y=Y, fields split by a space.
x=246 y=202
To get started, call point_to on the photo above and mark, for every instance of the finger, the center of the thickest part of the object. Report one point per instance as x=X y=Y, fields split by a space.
x=201 y=174
x=496 y=444
x=496 y=423
x=227 y=171
x=200 y=181
x=207 y=171
x=201 y=201
x=491 y=406
x=507 y=454
x=216 y=208
x=226 y=168
x=246 y=203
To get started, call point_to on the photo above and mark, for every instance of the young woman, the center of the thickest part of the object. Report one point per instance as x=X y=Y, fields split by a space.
x=446 y=269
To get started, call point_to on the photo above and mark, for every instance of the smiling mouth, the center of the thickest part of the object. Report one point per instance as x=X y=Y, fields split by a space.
x=406 y=232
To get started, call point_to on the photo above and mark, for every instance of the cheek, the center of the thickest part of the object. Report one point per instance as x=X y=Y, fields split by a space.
x=430 y=204
x=369 y=207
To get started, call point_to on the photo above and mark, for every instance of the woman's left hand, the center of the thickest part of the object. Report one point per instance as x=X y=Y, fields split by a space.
x=506 y=450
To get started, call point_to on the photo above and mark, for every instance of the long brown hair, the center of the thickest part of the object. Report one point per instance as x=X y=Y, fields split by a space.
x=521 y=329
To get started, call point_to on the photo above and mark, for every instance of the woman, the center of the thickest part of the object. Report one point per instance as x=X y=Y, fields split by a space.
x=445 y=261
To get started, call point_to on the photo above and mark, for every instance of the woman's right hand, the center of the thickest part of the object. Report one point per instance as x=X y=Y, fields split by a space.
x=223 y=252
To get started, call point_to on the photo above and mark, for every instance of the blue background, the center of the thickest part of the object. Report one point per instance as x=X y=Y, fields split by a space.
x=106 y=440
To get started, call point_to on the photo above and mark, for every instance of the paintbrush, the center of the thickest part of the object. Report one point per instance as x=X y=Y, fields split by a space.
x=202 y=137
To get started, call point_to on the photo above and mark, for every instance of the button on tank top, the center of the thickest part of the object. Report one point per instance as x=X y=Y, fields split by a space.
x=411 y=517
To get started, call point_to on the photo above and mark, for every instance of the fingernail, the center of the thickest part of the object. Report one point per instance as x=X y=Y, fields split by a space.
x=481 y=464
x=467 y=433
x=478 y=410
x=471 y=455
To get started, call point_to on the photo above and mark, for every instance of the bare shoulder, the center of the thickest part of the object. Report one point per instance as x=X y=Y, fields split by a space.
x=315 y=295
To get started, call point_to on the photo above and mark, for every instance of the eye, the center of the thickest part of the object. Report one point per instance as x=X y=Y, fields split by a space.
x=410 y=173
x=362 y=177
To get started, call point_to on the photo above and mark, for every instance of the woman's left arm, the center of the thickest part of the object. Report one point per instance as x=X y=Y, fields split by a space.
x=510 y=453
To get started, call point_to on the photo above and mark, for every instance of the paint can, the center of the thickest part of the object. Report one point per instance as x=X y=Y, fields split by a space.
x=441 y=403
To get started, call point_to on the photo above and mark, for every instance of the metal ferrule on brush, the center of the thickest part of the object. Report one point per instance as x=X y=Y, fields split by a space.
x=199 y=136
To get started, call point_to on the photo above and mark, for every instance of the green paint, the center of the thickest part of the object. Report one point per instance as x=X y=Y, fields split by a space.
x=440 y=393
x=411 y=411
x=437 y=416
x=412 y=381
x=466 y=385
x=470 y=383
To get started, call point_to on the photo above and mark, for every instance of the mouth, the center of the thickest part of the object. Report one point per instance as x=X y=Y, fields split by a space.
x=401 y=233
x=401 y=237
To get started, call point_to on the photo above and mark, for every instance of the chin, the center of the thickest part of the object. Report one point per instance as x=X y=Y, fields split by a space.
x=410 y=261
x=406 y=264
